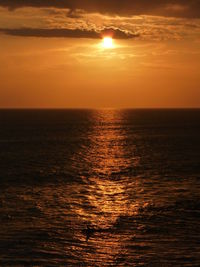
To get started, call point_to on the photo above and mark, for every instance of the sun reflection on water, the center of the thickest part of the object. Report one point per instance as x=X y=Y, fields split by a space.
x=106 y=188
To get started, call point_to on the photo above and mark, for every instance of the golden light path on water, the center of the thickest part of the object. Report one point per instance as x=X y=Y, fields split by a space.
x=109 y=197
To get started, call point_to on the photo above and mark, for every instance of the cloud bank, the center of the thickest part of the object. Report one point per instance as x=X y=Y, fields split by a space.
x=170 y=8
x=68 y=33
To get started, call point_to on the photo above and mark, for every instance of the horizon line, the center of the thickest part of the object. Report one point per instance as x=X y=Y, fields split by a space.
x=93 y=108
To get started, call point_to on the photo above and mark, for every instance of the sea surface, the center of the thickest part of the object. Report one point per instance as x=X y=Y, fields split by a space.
x=100 y=188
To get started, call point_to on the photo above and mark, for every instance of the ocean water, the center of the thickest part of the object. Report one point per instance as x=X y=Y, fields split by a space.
x=100 y=188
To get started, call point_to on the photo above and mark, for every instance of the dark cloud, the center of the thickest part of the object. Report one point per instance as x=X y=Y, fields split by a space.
x=177 y=8
x=68 y=33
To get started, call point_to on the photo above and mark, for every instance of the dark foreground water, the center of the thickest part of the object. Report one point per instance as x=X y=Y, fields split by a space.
x=131 y=176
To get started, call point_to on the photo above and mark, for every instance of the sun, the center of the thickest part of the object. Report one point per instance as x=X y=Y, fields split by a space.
x=107 y=42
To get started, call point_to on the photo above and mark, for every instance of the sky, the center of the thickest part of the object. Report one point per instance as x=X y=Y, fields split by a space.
x=52 y=54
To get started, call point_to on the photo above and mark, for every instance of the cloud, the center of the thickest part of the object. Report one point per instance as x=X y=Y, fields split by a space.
x=146 y=27
x=69 y=33
x=176 y=8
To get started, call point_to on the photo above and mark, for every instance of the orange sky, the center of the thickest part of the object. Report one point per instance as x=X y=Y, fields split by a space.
x=159 y=66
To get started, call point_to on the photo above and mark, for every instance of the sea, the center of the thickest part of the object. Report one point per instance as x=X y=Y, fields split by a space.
x=101 y=187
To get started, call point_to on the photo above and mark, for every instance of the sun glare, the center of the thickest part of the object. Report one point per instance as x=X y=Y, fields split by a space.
x=107 y=42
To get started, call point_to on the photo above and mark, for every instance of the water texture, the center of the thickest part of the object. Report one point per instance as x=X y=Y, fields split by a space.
x=100 y=188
